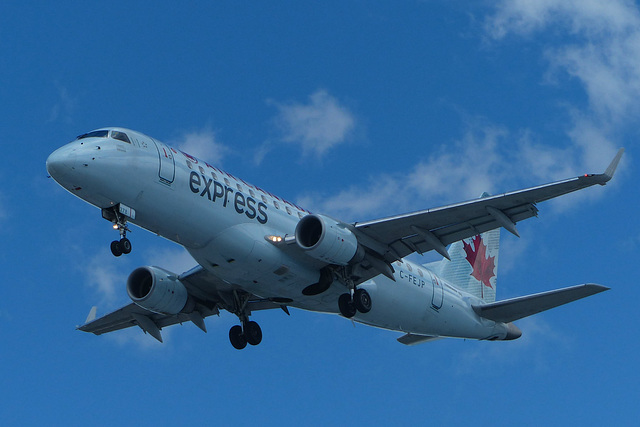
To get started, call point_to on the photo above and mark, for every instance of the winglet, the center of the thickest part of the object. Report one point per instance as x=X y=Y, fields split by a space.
x=92 y=314
x=608 y=174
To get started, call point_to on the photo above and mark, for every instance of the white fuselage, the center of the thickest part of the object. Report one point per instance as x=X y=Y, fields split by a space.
x=223 y=222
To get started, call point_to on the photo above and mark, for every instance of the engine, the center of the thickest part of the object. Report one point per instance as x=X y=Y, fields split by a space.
x=157 y=290
x=326 y=239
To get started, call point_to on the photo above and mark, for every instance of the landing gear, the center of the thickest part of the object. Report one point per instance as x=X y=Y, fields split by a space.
x=253 y=333
x=346 y=306
x=361 y=302
x=237 y=338
x=122 y=246
x=250 y=332
x=119 y=247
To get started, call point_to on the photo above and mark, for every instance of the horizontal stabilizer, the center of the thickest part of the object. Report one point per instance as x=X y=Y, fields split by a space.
x=516 y=308
x=412 y=339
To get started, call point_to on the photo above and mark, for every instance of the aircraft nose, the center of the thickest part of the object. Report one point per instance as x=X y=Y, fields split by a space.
x=61 y=162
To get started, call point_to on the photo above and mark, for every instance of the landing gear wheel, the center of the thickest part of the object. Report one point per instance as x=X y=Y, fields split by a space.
x=252 y=333
x=362 y=300
x=237 y=338
x=115 y=248
x=125 y=245
x=346 y=306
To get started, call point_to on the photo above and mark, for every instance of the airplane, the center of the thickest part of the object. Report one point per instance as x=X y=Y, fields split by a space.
x=257 y=251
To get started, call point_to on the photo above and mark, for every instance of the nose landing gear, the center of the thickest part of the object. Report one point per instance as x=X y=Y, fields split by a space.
x=119 y=247
x=122 y=246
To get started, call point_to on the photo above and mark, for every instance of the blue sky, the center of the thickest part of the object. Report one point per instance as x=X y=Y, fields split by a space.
x=355 y=109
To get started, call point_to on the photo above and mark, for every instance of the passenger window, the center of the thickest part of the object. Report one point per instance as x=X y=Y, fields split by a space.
x=288 y=210
x=252 y=193
x=201 y=169
x=300 y=215
x=239 y=187
x=226 y=181
x=276 y=204
x=264 y=199
x=214 y=176
x=409 y=267
x=420 y=273
x=120 y=136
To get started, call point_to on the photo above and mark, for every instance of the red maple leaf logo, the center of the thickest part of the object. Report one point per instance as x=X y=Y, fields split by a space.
x=483 y=266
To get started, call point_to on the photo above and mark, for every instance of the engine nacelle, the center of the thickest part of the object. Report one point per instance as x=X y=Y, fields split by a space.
x=326 y=239
x=157 y=290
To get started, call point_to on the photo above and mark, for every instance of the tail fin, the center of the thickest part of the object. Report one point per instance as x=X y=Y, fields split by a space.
x=474 y=265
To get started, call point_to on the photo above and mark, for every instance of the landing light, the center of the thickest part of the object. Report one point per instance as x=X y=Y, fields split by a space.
x=115 y=226
x=274 y=239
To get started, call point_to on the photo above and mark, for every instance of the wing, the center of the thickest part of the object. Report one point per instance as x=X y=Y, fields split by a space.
x=433 y=229
x=210 y=294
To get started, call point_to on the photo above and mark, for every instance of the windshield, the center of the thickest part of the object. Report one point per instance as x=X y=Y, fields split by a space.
x=95 y=134
x=120 y=136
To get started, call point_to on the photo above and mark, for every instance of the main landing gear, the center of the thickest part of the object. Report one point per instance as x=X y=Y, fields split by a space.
x=348 y=305
x=248 y=332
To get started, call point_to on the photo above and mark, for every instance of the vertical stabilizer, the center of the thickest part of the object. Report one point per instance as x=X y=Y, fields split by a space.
x=474 y=265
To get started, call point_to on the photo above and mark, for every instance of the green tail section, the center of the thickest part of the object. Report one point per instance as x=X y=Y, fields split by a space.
x=474 y=265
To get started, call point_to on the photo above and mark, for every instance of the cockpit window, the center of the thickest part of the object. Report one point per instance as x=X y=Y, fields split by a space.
x=121 y=136
x=95 y=134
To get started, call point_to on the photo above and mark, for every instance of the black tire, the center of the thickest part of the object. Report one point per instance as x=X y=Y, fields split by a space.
x=346 y=307
x=125 y=245
x=253 y=333
x=362 y=300
x=237 y=338
x=115 y=248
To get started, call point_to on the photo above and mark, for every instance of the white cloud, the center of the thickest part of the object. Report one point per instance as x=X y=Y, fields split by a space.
x=64 y=108
x=105 y=276
x=593 y=17
x=456 y=172
x=203 y=145
x=487 y=158
x=597 y=43
x=537 y=341
x=316 y=126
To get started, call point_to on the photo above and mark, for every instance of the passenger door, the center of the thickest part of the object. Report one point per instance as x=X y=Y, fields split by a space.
x=167 y=167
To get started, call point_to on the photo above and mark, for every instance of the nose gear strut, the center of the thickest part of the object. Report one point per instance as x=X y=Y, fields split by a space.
x=122 y=246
